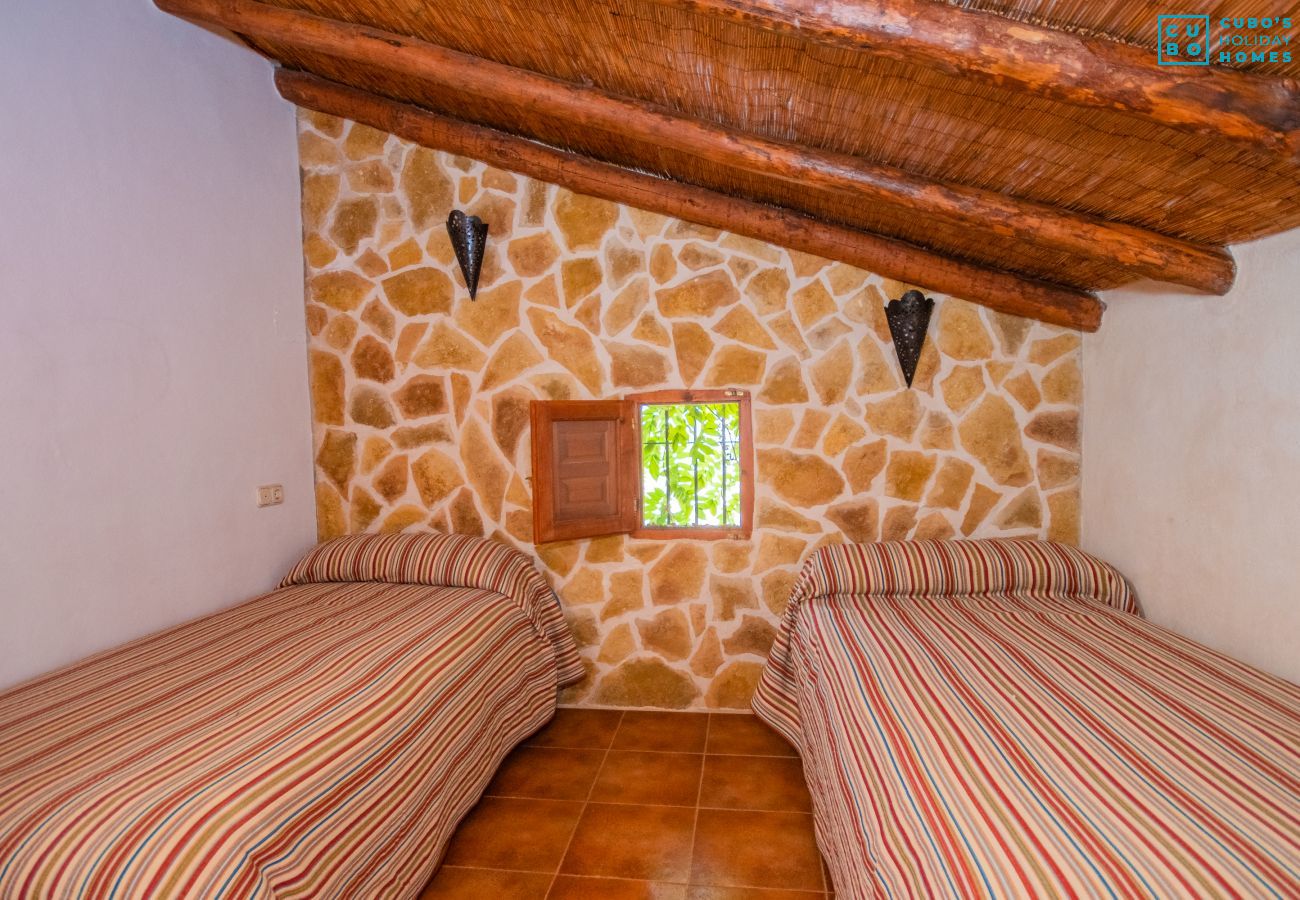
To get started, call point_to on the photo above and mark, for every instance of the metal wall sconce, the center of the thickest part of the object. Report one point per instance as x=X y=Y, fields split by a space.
x=909 y=318
x=468 y=238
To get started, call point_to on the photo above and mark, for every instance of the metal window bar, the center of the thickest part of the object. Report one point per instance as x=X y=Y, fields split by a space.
x=728 y=441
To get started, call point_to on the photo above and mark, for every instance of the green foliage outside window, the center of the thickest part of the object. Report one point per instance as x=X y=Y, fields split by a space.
x=690 y=465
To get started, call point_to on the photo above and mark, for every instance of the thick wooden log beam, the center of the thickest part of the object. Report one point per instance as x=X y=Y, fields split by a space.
x=1261 y=111
x=893 y=259
x=1143 y=253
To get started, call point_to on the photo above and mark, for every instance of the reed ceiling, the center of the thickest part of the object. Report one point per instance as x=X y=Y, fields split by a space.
x=1031 y=139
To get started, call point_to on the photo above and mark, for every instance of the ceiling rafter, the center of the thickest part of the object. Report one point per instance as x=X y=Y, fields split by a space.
x=1257 y=110
x=998 y=290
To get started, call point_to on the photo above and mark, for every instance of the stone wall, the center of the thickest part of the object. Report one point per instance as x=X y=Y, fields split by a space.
x=421 y=398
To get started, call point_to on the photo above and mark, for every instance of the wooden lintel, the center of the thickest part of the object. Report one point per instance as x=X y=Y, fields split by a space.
x=891 y=258
x=1140 y=252
x=1258 y=110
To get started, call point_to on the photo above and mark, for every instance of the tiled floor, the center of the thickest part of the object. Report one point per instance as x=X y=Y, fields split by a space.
x=646 y=805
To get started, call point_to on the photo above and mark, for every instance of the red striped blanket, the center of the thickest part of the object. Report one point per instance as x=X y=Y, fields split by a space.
x=991 y=719
x=320 y=741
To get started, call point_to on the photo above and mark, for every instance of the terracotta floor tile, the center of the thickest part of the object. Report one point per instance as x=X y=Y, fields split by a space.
x=745 y=735
x=652 y=843
x=575 y=887
x=582 y=728
x=755 y=782
x=508 y=833
x=662 y=731
x=712 y=892
x=658 y=779
x=454 y=883
x=756 y=849
x=547 y=773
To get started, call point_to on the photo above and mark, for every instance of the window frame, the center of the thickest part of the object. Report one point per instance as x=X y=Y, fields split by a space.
x=745 y=454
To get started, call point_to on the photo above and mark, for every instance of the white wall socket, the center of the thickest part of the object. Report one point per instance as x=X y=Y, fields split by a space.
x=270 y=495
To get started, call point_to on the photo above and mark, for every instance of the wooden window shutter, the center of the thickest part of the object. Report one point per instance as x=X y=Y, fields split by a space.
x=585 y=468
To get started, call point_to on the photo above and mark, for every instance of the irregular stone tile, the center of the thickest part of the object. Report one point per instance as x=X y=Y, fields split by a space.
x=772 y=426
x=606 y=549
x=778 y=550
x=650 y=331
x=337 y=457
x=991 y=434
x=755 y=635
x=363 y=141
x=927 y=368
x=1064 y=384
x=769 y=291
x=331 y=522
x=338 y=290
x=427 y=189
x=740 y=325
x=516 y=355
x=708 y=655
x=962 y=387
x=319 y=191
x=418 y=292
x=465 y=518
x=510 y=415
x=692 y=346
x=1055 y=469
x=422 y=395
x=907 y=474
x=800 y=479
x=536 y=201
x=571 y=347
x=317 y=317
x=588 y=314
x=1046 y=352
x=788 y=332
x=495 y=312
x=678 y=228
x=858 y=519
x=519 y=523
x=340 y=332
x=407 y=253
x=934 y=527
x=1011 y=331
x=372 y=177
x=667 y=634
x=898 y=523
x=327 y=385
x=626 y=306
x=392 y=478
x=678 y=575
x=617 y=646
x=733 y=687
x=1059 y=428
x=1063 y=510
x=812 y=303
x=842 y=433
x=736 y=366
x=583 y=220
x=730 y=556
x=774 y=516
x=832 y=372
x=408 y=340
x=401 y=519
x=937 y=433
x=951 y=484
x=845 y=279
x=560 y=556
x=962 y=334
x=898 y=415
x=314 y=150
x=447 y=348
x=436 y=475
x=534 y=255
x=380 y=320
x=777 y=585
x=826 y=333
x=862 y=464
x=741 y=268
x=371 y=360
x=460 y=391
x=785 y=384
x=647 y=683
x=497 y=211
x=370 y=406
x=354 y=222
x=663 y=264
x=410 y=437
x=698 y=297
x=626 y=593
x=1024 y=511
x=810 y=429
x=982 y=500
x=636 y=366
x=1025 y=392
x=372 y=264
x=487 y=475
x=374 y=451
x=622 y=263
x=364 y=508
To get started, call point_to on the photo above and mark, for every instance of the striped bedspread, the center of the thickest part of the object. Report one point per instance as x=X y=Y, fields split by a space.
x=319 y=741
x=991 y=719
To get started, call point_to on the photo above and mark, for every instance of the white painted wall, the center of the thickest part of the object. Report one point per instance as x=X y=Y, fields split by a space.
x=152 y=347
x=1191 y=455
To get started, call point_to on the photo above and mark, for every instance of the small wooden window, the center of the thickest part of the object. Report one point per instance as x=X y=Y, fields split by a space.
x=663 y=464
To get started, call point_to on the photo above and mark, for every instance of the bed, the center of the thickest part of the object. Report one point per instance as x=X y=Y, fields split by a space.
x=322 y=740
x=994 y=719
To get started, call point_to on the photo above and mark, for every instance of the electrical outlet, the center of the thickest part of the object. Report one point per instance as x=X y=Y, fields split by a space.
x=270 y=495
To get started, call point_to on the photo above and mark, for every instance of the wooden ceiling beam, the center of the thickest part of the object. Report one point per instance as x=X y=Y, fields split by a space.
x=891 y=258
x=1261 y=111
x=1143 y=253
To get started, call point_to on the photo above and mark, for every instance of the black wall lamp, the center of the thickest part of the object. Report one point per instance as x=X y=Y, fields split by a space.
x=909 y=318
x=468 y=238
